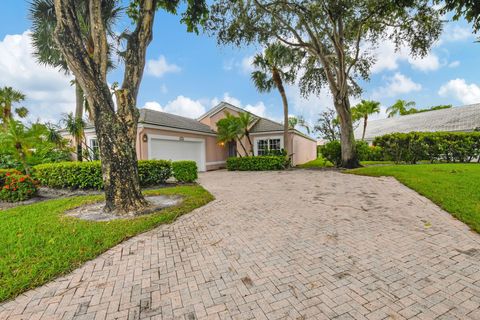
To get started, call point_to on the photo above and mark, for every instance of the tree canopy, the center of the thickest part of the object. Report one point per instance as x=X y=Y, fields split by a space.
x=468 y=9
x=337 y=37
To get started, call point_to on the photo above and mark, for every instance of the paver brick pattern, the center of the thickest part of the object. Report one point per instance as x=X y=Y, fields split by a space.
x=280 y=245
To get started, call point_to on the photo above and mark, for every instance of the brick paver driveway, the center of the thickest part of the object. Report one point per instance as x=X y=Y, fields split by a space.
x=281 y=245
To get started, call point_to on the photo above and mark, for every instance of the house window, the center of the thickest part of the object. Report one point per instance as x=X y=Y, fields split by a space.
x=265 y=146
x=94 y=149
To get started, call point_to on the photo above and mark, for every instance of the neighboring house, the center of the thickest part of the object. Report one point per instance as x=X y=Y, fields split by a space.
x=162 y=135
x=458 y=119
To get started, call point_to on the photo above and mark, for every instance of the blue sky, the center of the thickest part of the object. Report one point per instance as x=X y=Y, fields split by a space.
x=188 y=73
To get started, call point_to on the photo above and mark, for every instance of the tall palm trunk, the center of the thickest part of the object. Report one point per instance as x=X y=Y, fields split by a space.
x=243 y=147
x=7 y=114
x=79 y=101
x=365 y=119
x=247 y=134
x=279 y=83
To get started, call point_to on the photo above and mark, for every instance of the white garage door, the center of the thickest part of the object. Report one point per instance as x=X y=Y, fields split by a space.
x=172 y=148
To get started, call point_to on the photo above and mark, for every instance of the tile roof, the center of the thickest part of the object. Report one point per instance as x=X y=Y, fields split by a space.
x=164 y=119
x=265 y=125
x=465 y=118
x=220 y=106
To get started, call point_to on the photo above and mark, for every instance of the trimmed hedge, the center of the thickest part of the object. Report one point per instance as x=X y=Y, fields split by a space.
x=154 y=172
x=434 y=146
x=258 y=163
x=88 y=175
x=16 y=186
x=332 y=151
x=185 y=171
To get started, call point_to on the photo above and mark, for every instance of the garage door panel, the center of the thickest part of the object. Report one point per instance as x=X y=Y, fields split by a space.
x=176 y=150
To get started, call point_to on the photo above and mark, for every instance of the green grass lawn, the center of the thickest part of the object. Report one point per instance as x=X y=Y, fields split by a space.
x=39 y=243
x=375 y=163
x=320 y=162
x=454 y=187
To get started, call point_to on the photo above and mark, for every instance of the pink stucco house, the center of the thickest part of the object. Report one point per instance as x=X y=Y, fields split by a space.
x=166 y=136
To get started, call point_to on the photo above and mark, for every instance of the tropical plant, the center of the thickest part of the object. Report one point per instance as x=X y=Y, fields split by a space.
x=338 y=39
x=364 y=109
x=9 y=96
x=229 y=129
x=76 y=128
x=401 y=107
x=293 y=122
x=17 y=140
x=46 y=51
x=246 y=120
x=275 y=67
x=87 y=58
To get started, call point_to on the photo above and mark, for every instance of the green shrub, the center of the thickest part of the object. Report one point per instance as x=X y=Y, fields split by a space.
x=259 y=163
x=154 y=172
x=332 y=151
x=88 y=175
x=16 y=186
x=365 y=152
x=434 y=146
x=75 y=175
x=185 y=171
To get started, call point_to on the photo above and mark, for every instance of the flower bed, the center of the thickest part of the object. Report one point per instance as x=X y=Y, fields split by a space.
x=16 y=186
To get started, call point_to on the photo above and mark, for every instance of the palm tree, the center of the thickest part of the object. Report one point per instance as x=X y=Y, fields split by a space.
x=18 y=140
x=229 y=129
x=54 y=136
x=298 y=121
x=76 y=128
x=9 y=96
x=363 y=110
x=42 y=14
x=276 y=66
x=401 y=107
x=246 y=120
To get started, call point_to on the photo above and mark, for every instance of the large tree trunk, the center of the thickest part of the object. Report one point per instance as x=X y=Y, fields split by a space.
x=116 y=140
x=347 y=139
x=79 y=101
x=116 y=126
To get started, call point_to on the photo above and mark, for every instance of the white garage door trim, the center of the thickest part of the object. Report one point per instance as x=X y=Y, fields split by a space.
x=201 y=165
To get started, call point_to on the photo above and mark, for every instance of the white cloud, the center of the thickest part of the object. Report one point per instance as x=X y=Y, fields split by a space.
x=461 y=90
x=227 y=98
x=388 y=58
x=181 y=105
x=428 y=63
x=259 y=109
x=153 y=105
x=247 y=64
x=454 y=64
x=48 y=91
x=398 y=84
x=243 y=66
x=455 y=33
x=160 y=67
x=309 y=107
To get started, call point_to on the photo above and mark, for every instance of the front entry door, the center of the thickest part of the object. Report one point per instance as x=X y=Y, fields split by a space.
x=232 y=149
